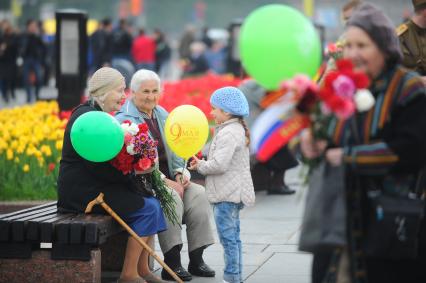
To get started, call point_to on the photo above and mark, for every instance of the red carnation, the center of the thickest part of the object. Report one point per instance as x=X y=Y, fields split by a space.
x=123 y=161
x=143 y=128
x=344 y=65
x=361 y=80
x=143 y=164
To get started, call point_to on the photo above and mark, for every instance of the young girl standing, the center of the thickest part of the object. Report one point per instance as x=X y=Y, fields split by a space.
x=229 y=185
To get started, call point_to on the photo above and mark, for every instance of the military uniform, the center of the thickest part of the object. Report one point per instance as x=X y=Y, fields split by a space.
x=413 y=44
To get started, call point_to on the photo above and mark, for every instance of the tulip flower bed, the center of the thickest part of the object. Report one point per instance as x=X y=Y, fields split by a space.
x=30 y=149
x=31 y=137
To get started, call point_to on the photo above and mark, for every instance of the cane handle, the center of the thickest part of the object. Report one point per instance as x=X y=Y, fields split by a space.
x=98 y=200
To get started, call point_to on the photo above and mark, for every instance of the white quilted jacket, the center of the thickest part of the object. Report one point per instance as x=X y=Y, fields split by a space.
x=227 y=168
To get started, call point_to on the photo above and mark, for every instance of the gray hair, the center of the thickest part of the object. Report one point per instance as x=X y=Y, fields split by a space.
x=100 y=99
x=141 y=76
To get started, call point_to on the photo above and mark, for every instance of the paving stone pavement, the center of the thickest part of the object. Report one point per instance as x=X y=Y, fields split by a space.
x=269 y=232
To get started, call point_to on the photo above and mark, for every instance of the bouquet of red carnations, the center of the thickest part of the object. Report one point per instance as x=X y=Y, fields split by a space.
x=138 y=156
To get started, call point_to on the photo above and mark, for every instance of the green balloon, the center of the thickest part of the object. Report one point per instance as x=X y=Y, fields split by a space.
x=278 y=42
x=97 y=136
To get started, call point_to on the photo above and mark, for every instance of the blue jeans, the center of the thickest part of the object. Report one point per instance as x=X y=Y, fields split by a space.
x=227 y=218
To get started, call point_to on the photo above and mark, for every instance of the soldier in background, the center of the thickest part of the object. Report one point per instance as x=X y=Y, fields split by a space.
x=412 y=36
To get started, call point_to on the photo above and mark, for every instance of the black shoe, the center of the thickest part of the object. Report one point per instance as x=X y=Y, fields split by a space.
x=180 y=272
x=281 y=190
x=202 y=270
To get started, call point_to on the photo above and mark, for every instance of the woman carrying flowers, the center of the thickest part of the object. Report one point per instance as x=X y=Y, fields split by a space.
x=383 y=149
x=80 y=181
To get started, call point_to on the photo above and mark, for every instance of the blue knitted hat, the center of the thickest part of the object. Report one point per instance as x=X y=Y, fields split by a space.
x=231 y=100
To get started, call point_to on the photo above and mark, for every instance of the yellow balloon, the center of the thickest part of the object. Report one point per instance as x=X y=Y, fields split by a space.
x=186 y=130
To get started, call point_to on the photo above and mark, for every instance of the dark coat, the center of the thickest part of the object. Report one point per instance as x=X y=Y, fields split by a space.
x=80 y=181
x=385 y=149
x=8 y=56
x=101 y=44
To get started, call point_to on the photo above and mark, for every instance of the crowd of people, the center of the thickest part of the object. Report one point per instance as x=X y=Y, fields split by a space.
x=25 y=55
x=197 y=54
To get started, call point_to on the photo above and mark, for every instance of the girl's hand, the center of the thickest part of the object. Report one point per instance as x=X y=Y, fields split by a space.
x=193 y=165
x=334 y=156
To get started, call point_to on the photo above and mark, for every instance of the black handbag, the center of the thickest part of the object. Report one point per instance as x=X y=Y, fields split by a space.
x=394 y=227
x=324 y=219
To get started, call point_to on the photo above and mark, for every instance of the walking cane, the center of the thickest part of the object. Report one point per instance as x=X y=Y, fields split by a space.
x=100 y=200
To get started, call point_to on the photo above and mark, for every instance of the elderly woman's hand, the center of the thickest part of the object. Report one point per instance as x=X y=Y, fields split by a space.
x=182 y=179
x=424 y=80
x=311 y=148
x=334 y=156
x=178 y=188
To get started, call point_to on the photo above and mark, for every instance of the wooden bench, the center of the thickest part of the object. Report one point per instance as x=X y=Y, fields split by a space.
x=73 y=242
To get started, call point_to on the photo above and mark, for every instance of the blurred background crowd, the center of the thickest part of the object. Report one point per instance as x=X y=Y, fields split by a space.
x=174 y=38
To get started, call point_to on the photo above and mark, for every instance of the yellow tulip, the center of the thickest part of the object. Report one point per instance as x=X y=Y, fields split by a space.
x=37 y=153
x=20 y=149
x=6 y=135
x=9 y=154
x=16 y=159
x=26 y=168
x=58 y=145
x=46 y=150
x=14 y=144
x=3 y=144
x=30 y=150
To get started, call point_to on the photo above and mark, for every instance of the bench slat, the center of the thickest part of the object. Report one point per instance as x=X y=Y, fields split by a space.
x=33 y=227
x=99 y=228
x=19 y=226
x=63 y=229
x=10 y=230
x=72 y=235
x=28 y=210
x=47 y=227
x=29 y=214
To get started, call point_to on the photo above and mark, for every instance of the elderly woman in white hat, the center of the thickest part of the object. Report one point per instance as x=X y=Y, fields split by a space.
x=80 y=181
